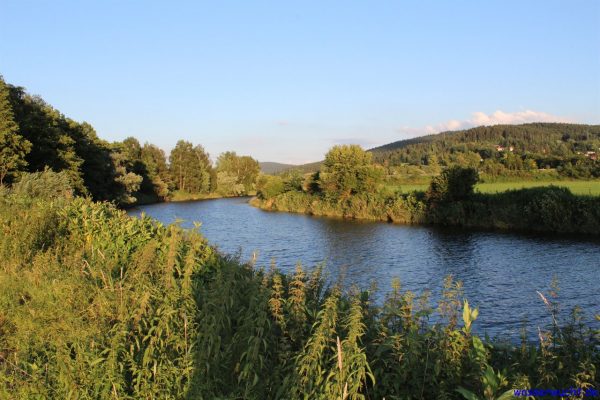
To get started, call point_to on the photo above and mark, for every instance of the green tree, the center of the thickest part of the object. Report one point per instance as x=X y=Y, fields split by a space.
x=213 y=180
x=293 y=180
x=244 y=169
x=132 y=149
x=129 y=181
x=190 y=167
x=13 y=148
x=454 y=183
x=156 y=165
x=348 y=170
x=53 y=137
x=268 y=186
x=151 y=188
x=98 y=169
x=227 y=184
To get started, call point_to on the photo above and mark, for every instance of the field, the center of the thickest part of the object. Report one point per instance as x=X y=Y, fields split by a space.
x=577 y=187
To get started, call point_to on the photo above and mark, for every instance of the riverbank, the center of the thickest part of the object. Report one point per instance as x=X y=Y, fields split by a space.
x=185 y=196
x=179 y=196
x=538 y=209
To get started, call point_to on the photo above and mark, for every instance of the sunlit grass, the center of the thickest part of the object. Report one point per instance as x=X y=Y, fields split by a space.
x=576 y=187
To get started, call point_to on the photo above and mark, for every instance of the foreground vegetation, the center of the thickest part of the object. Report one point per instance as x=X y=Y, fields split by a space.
x=97 y=305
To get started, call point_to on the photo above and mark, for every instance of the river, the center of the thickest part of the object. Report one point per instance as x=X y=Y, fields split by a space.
x=501 y=272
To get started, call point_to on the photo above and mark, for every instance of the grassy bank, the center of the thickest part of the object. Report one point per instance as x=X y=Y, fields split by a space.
x=98 y=305
x=179 y=195
x=185 y=196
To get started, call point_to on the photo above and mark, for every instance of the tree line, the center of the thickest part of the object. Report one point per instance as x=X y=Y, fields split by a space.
x=35 y=136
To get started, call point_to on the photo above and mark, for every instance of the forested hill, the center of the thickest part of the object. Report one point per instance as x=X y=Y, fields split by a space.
x=573 y=149
x=267 y=167
x=546 y=143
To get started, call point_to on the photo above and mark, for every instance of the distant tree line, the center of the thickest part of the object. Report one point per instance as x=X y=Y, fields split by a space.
x=34 y=136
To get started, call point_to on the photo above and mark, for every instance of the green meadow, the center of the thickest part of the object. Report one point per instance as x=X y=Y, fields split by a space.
x=591 y=187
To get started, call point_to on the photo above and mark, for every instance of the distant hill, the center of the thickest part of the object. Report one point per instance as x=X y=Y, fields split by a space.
x=546 y=142
x=307 y=168
x=407 y=142
x=272 y=168
x=538 y=140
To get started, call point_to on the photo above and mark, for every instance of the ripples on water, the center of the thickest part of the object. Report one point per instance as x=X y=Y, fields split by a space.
x=501 y=272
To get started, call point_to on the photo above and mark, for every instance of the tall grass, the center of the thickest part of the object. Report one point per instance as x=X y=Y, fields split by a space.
x=97 y=305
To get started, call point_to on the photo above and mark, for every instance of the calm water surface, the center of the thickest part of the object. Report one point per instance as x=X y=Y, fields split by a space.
x=501 y=272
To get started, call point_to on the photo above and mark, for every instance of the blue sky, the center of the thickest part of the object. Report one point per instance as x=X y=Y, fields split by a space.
x=285 y=80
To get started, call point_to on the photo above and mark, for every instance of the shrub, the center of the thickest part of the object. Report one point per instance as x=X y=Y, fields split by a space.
x=46 y=184
x=454 y=183
x=269 y=186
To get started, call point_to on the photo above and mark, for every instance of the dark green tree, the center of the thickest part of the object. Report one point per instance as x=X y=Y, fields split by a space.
x=53 y=137
x=98 y=169
x=156 y=165
x=453 y=184
x=13 y=148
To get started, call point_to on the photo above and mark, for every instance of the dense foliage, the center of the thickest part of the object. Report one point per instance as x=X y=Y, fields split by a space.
x=346 y=171
x=97 y=305
x=190 y=167
x=450 y=200
x=236 y=175
x=13 y=147
x=35 y=136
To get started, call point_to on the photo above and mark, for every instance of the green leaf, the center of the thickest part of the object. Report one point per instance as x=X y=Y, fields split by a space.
x=509 y=394
x=467 y=394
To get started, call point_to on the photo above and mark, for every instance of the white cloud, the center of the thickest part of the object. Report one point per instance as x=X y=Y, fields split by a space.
x=520 y=117
x=498 y=117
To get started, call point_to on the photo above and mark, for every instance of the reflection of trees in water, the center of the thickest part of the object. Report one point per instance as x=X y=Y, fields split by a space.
x=453 y=250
